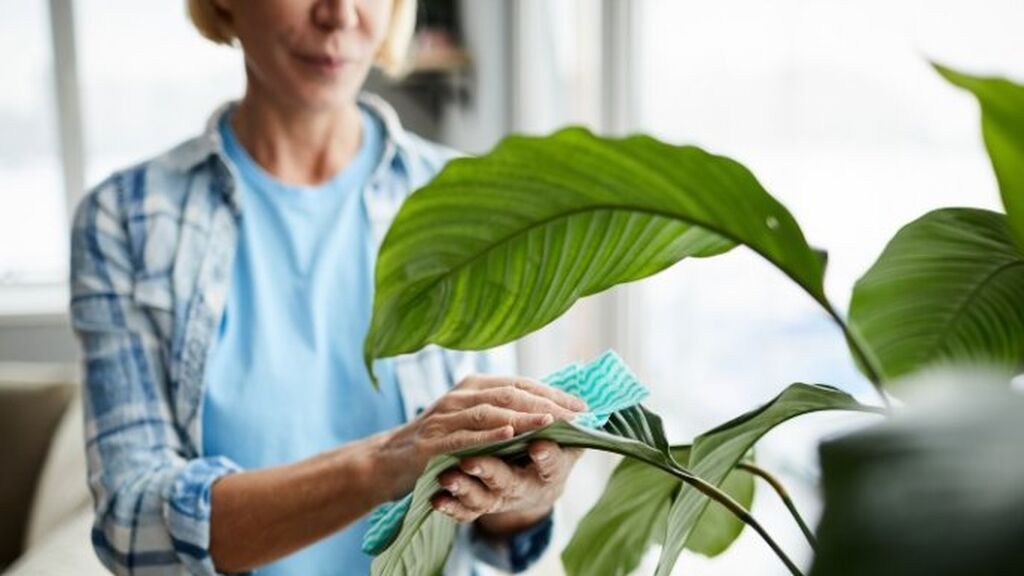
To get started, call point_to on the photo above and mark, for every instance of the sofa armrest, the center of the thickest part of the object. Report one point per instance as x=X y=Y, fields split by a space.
x=32 y=400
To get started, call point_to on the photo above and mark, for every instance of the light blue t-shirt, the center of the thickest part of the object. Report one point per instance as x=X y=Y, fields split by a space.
x=285 y=378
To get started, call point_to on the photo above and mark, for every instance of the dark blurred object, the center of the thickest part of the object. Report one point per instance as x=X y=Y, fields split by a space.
x=439 y=15
x=31 y=403
x=439 y=72
x=938 y=491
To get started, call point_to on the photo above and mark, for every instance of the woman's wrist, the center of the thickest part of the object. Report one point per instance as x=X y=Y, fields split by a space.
x=383 y=468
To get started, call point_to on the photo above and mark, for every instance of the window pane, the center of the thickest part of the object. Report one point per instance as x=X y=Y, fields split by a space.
x=33 y=237
x=148 y=79
x=834 y=107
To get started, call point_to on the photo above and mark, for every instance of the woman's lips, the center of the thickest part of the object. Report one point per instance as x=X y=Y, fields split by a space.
x=322 y=62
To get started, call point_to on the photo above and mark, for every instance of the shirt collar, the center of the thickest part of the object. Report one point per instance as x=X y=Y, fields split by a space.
x=398 y=146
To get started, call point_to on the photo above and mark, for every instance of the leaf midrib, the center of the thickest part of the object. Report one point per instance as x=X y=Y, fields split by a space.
x=969 y=299
x=419 y=294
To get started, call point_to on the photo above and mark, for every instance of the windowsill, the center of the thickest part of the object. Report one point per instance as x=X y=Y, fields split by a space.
x=34 y=303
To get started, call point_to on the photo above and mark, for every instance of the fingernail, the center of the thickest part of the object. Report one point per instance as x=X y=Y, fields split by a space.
x=579 y=405
x=475 y=470
x=452 y=487
x=543 y=456
x=546 y=419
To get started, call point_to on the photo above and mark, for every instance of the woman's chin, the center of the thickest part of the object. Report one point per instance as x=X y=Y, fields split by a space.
x=322 y=98
x=322 y=94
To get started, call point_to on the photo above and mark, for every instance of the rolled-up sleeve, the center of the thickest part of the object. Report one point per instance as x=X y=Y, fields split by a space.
x=151 y=493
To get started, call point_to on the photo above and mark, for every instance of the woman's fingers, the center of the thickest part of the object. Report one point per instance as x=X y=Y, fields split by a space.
x=561 y=398
x=548 y=458
x=508 y=397
x=485 y=382
x=451 y=506
x=493 y=472
x=486 y=416
x=487 y=484
x=479 y=486
x=469 y=491
x=459 y=439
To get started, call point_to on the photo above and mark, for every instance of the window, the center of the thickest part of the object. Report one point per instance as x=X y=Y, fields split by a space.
x=148 y=80
x=33 y=238
x=138 y=80
x=834 y=107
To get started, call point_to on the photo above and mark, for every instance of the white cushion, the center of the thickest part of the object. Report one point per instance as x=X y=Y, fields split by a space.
x=62 y=491
x=65 y=550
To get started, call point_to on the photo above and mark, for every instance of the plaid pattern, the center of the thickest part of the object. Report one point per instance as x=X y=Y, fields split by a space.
x=151 y=255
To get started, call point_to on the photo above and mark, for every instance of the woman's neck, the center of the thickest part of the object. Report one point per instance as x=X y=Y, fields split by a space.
x=295 y=145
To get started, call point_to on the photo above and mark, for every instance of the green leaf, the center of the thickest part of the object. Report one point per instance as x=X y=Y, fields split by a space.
x=949 y=287
x=632 y=513
x=1002 y=126
x=426 y=537
x=718 y=528
x=716 y=453
x=498 y=246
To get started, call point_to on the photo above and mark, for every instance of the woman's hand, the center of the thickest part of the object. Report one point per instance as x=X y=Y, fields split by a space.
x=505 y=498
x=479 y=410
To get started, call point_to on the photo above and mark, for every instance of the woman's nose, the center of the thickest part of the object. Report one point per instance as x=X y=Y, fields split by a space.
x=336 y=14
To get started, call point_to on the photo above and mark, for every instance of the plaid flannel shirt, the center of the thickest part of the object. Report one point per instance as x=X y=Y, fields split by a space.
x=152 y=248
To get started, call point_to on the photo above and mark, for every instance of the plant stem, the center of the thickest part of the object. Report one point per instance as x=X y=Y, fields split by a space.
x=737 y=509
x=784 y=496
x=867 y=361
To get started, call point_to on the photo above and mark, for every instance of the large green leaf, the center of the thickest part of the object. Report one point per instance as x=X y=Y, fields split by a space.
x=497 y=246
x=632 y=512
x=426 y=537
x=948 y=287
x=716 y=453
x=1002 y=125
x=718 y=528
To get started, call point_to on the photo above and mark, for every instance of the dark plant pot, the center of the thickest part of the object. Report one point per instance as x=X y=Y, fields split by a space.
x=931 y=493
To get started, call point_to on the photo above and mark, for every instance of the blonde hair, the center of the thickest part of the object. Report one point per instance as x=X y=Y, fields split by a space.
x=392 y=57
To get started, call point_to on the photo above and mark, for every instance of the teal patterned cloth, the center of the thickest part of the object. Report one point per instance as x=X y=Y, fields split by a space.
x=607 y=385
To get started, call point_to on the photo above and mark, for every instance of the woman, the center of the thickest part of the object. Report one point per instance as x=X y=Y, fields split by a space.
x=221 y=293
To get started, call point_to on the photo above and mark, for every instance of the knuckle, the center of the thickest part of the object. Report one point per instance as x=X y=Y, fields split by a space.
x=449 y=443
x=546 y=476
x=479 y=414
x=432 y=428
x=505 y=396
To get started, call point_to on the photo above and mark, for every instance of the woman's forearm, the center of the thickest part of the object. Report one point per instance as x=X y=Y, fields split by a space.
x=262 y=515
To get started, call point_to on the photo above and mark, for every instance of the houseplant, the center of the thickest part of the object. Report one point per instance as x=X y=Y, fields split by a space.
x=498 y=246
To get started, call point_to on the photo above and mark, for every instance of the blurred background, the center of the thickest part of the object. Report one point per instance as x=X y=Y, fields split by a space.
x=832 y=104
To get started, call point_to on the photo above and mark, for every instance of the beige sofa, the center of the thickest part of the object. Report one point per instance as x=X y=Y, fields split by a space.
x=45 y=507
